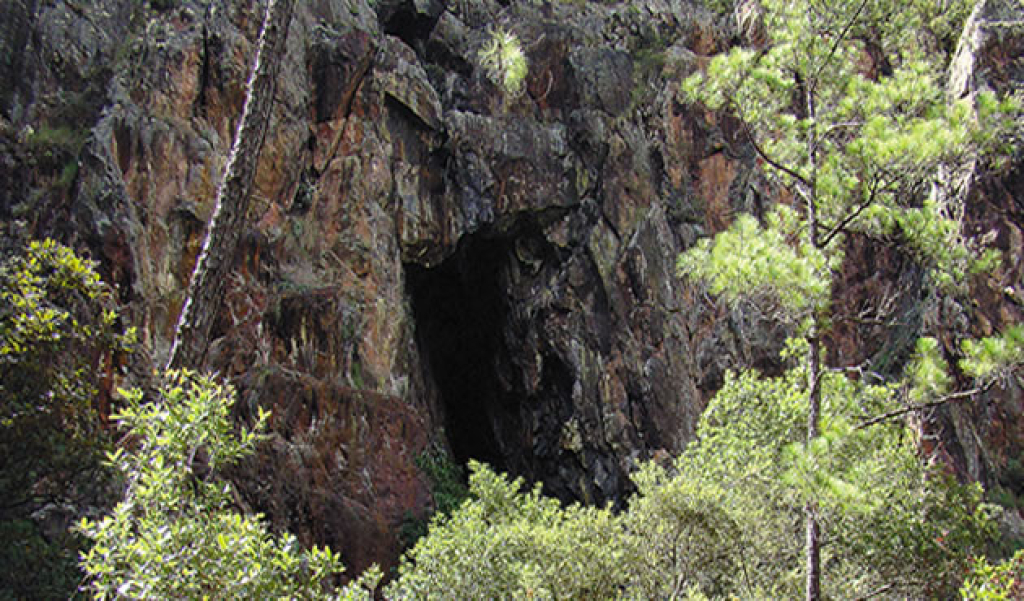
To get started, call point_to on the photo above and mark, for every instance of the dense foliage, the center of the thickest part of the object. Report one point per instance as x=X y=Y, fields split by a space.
x=177 y=532
x=726 y=518
x=58 y=333
x=999 y=582
x=507 y=544
x=891 y=523
x=843 y=105
x=723 y=520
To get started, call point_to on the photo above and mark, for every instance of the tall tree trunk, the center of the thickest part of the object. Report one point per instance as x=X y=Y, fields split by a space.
x=206 y=290
x=813 y=535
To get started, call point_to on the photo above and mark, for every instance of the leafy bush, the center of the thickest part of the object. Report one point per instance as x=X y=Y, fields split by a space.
x=176 y=534
x=726 y=520
x=893 y=522
x=57 y=331
x=504 y=543
x=1000 y=582
x=679 y=538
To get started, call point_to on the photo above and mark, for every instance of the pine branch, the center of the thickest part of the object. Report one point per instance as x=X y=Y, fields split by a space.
x=949 y=398
x=767 y=158
x=839 y=39
x=842 y=225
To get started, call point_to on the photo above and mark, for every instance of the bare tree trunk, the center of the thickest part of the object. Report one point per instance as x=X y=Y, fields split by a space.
x=813 y=535
x=206 y=290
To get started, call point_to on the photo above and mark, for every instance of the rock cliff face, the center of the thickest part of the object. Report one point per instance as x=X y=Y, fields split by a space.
x=985 y=438
x=428 y=260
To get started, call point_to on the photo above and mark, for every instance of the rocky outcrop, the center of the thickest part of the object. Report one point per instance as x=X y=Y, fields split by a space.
x=985 y=438
x=428 y=261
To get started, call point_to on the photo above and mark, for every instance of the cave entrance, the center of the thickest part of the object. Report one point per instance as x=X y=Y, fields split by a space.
x=460 y=309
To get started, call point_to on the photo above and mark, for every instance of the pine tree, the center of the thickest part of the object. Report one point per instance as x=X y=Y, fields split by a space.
x=844 y=107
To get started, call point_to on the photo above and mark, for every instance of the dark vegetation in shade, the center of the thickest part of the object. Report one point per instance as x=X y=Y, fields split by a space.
x=59 y=340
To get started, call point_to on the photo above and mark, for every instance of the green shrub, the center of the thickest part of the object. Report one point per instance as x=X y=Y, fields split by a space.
x=504 y=543
x=1000 y=582
x=58 y=331
x=503 y=61
x=176 y=534
x=726 y=520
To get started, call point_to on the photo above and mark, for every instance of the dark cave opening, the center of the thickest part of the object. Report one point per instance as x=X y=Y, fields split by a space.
x=409 y=21
x=460 y=309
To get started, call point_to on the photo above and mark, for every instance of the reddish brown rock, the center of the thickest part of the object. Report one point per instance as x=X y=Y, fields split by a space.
x=428 y=260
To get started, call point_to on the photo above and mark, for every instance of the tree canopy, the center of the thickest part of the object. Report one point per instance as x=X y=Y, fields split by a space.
x=844 y=105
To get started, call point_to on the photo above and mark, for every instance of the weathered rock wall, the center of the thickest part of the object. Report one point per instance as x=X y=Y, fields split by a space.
x=985 y=438
x=428 y=260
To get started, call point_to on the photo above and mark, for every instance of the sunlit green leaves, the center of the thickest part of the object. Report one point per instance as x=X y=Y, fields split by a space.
x=935 y=238
x=928 y=373
x=889 y=518
x=1000 y=582
x=175 y=534
x=680 y=536
x=725 y=75
x=994 y=357
x=193 y=419
x=750 y=261
x=864 y=143
x=506 y=543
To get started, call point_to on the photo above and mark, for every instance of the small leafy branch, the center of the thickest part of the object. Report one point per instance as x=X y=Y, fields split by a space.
x=176 y=532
